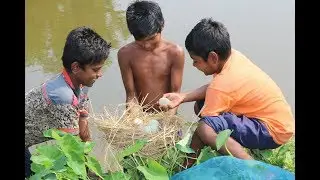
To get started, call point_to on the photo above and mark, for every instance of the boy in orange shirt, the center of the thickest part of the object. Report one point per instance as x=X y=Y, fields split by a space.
x=240 y=97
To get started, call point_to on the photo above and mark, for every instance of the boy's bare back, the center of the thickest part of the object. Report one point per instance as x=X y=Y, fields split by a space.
x=147 y=75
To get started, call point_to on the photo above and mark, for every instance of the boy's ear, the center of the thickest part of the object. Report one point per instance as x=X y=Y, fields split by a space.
x=75 y=67
x=213 y=57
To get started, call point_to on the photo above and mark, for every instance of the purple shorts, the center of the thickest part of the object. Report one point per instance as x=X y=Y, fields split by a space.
x=249 y=132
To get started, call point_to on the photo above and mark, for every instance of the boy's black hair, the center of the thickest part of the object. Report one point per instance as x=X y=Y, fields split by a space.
x=85 y=46
x=209 y=35
x=144 y=18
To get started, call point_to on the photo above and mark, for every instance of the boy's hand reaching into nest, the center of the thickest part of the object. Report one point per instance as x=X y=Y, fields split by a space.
x=175 y=99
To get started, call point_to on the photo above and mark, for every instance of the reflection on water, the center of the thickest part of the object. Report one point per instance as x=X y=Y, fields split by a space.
x=49 y=22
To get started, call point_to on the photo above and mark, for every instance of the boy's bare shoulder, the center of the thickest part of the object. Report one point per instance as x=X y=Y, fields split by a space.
x=174 y=49
x=126 y=49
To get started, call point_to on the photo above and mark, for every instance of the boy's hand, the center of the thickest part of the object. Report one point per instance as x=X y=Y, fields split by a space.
x=175 y=100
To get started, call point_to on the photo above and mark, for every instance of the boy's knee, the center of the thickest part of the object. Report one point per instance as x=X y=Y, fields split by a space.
x=205 y=132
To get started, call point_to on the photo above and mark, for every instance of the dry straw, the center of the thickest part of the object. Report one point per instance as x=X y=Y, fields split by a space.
x=120 y=130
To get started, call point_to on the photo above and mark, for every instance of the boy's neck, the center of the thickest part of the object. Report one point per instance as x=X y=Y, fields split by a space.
x=70 y=79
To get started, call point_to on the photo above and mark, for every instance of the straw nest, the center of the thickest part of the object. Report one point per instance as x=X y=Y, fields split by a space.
x=122 y=130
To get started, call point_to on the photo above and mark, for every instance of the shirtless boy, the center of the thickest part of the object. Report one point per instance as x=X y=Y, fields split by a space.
x=150 y=66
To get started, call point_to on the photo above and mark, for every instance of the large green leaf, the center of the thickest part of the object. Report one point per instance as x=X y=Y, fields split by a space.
x=150 y=174
x=36 y=168
x=50 y=151
x=137 y=146
x=156 y=167
x=116 y=176
x=59 y=164
x=88 y=146
x=54 y=133
x=183 y=145
x=50 y=176
x=40 y=174
x=42 y=160
x=69 y=174
x=222 y=138
x=79 y=168
x=72 y=147
x=94 y=165
x=206 y=153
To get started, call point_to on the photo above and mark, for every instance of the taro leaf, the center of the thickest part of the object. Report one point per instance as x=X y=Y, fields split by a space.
x=94 y=165
x=54 y=133
x=183 y=145
x=40 y=174
x=222 y=138
x=72 y=147
x=116 y=176
x=59 y=164
x=156 y=167
x=42 y=160
x=50 y=176
x=37 y=167
x=88 y=146
x=78 y=167
x=69 y=174
x=154 y=171
x=137 y=146
x=206 y=153
x=50 y=151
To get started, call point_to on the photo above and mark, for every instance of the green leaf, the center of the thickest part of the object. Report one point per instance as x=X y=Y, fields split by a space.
x=78 y=168
x=206 y=153
x=183 y=145
x=88 y=146
x=137 y=146
x=50 y=151
x=50 y=176
x=152 y=175
x=116 y=176
x=222 y=138
x=40 y=174
x=37 y=167
x=156 y=167
x=72 y=147
x=94 y=165
x=54 y=133
x=68 y=174
x=42 y=160
x=59 y=164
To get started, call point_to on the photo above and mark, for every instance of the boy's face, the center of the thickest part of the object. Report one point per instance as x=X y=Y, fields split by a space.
x=89 y=73
x=150 y=43
x=207 y=67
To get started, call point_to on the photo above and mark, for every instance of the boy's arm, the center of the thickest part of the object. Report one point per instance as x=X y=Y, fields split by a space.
x=127 y=76
x=177 y=73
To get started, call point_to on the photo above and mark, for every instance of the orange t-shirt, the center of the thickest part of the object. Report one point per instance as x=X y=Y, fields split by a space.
x=243 y=88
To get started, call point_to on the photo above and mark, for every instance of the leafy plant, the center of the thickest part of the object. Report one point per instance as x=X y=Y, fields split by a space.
x=222 y=138
x=283 y=156
x=67 y=159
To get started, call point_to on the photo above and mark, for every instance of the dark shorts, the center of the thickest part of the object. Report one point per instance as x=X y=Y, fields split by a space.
x=249 y=132
x=27 y=163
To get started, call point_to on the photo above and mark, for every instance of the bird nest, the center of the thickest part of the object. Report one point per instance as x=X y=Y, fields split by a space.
x=122 y=130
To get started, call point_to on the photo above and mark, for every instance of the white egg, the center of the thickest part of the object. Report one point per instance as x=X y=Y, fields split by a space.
x=152 y=126
x=137 y=121
x=164 y=101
